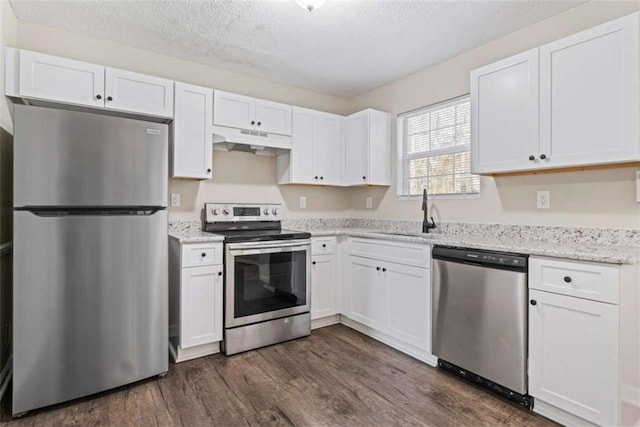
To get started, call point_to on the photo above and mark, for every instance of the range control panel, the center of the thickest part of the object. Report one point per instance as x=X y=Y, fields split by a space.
x=216 y=212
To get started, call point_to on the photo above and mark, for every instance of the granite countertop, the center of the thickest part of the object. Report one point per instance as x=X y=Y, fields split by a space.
x=583 y=252
x=194 y=236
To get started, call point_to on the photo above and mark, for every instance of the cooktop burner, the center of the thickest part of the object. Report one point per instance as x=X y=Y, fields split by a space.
x=234 y=236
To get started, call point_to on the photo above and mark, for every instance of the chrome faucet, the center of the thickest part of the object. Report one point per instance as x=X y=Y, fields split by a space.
x=426 y=225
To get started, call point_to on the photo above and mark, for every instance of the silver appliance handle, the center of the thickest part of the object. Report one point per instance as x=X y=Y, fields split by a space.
x=269 y=244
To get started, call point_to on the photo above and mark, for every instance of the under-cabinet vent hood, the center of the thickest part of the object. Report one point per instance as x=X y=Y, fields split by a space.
x=258 y=142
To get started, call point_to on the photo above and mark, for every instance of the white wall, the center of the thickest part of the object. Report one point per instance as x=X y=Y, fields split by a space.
x=236 y=176
x=604 y=198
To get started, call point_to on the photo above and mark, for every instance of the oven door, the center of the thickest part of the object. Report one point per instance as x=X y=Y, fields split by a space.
x=266 y=280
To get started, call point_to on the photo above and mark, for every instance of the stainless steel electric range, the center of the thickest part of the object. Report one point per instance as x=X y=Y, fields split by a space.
x=267 y=275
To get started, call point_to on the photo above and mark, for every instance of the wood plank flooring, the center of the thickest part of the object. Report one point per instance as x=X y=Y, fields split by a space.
x=335 y=377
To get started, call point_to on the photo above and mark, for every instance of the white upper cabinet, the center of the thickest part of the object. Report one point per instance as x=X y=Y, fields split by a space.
x=316 y=147
x=367 y=149
x=38 y=76
x=192 y=140
x=138 y=93
x=504 y=114
x=32 y=75
x=572 y=102
x=589 y=95
x=273 y=117
x=244 y=112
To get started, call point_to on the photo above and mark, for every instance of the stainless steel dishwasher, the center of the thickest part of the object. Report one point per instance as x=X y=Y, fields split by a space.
x=479 y=323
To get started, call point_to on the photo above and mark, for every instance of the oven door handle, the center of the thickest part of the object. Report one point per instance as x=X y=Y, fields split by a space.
x=269 y=245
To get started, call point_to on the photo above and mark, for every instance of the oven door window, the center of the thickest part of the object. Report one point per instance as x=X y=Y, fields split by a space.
x=267 y=282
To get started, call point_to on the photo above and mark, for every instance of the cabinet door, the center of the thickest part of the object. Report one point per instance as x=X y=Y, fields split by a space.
x=192 y=138
x=323 y=286
x=368 y=293
x=379 y=148
x=328 y=147
x=409 y=304
x=302 y=162
x=356 y=149
x=61 y=80
x=589 y=85
x=138 y=93
x=200 y=306
x=573 y=355
x=235 y=111
x=504 y=115
x=273 y=117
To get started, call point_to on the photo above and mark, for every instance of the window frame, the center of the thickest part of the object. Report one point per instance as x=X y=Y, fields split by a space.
x=401 y=160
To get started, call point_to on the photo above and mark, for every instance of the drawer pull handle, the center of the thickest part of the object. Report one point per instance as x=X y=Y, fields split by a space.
x=384 y=269
x=567 y=279
x=378 y=268
x=203 y=254
x=533 y=302
x=313 y=262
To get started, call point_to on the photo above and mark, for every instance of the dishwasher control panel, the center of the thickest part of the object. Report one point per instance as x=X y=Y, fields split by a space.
x=477 y=256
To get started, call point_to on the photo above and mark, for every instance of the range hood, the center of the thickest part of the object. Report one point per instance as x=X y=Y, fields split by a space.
x=258 y=142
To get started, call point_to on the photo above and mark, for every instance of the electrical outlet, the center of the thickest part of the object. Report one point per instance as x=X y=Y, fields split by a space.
x=369 y=202
x=544 y=199
x=303 y=202
x=175 y=200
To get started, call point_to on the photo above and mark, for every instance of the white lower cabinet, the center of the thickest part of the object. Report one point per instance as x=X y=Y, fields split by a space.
x=390 y=301
x=324 y=278
x=573 y=355
x=195 y=307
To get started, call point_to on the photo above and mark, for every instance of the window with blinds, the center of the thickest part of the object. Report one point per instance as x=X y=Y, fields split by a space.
x=434 y=146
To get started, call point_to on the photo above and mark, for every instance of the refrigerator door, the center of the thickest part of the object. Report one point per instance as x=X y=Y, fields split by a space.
x=90 y=304
x=70 y=158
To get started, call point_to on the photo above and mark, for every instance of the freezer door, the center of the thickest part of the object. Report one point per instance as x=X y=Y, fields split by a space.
x=90 y=304
x=70 y=158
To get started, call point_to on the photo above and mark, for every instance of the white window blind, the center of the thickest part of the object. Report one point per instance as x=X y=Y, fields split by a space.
x=434 y=146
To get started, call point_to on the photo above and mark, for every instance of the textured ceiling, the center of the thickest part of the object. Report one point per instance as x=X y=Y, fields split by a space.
x=345 y=48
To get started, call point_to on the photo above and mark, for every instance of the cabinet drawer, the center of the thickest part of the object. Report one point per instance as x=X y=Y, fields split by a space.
x=415 y=254
x=591 y=281
x=195 y=255
x=323 y=245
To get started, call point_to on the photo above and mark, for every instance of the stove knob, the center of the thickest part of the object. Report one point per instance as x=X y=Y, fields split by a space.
x=275 y=211
x=265 y=211
x=215 y=211
x=225 y=211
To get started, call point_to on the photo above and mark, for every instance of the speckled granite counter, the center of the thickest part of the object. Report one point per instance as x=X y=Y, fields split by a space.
x=613 y=246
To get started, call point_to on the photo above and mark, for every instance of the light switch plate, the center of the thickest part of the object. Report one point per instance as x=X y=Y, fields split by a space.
x=303 y=202
x=544 y=199
x=175 y=200
x=369 y=202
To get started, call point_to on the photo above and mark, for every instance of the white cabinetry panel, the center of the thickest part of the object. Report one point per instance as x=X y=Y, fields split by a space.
x=138 y=93
x=201 y=306
x=409 y=300
x=323 y=286
x=273 y=117
x=232 y=110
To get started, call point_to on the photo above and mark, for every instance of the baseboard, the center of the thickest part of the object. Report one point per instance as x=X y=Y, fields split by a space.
x=558 y=415
x=409 y=349
x=325 y=321
x=182 y=355
x=5 y=376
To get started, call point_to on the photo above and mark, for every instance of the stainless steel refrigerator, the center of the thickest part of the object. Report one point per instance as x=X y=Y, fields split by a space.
x=90 y=254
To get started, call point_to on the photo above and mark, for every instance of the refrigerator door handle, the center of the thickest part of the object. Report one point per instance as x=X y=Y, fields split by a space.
x=98 y=211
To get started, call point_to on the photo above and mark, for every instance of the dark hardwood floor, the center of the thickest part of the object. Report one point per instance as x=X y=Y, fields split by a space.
x=336 y=376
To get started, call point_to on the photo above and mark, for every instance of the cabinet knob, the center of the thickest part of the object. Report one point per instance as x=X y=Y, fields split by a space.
x=533 y=302
x=364 y=177
x=384 y=269
x=98 y=96
x=109 y=98
x=253 y=122
x=378 y=268
x=315 y=177
x=208 y=170
x=219 y=273
x=313 y=262
x=567 y=279
x=543 y=156
x=259 y=123
x=203 y=254
x=324 y=245
x=322 y=177
x=532 y=158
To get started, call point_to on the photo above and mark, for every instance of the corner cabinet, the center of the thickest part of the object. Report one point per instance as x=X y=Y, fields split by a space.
x=572 y=102
x=196 y=280
x=583 y=341
x=244 y=112
x=315 y=156
x=387 y=292
x=367 y=148
x=192 y=141
x=39 y=77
